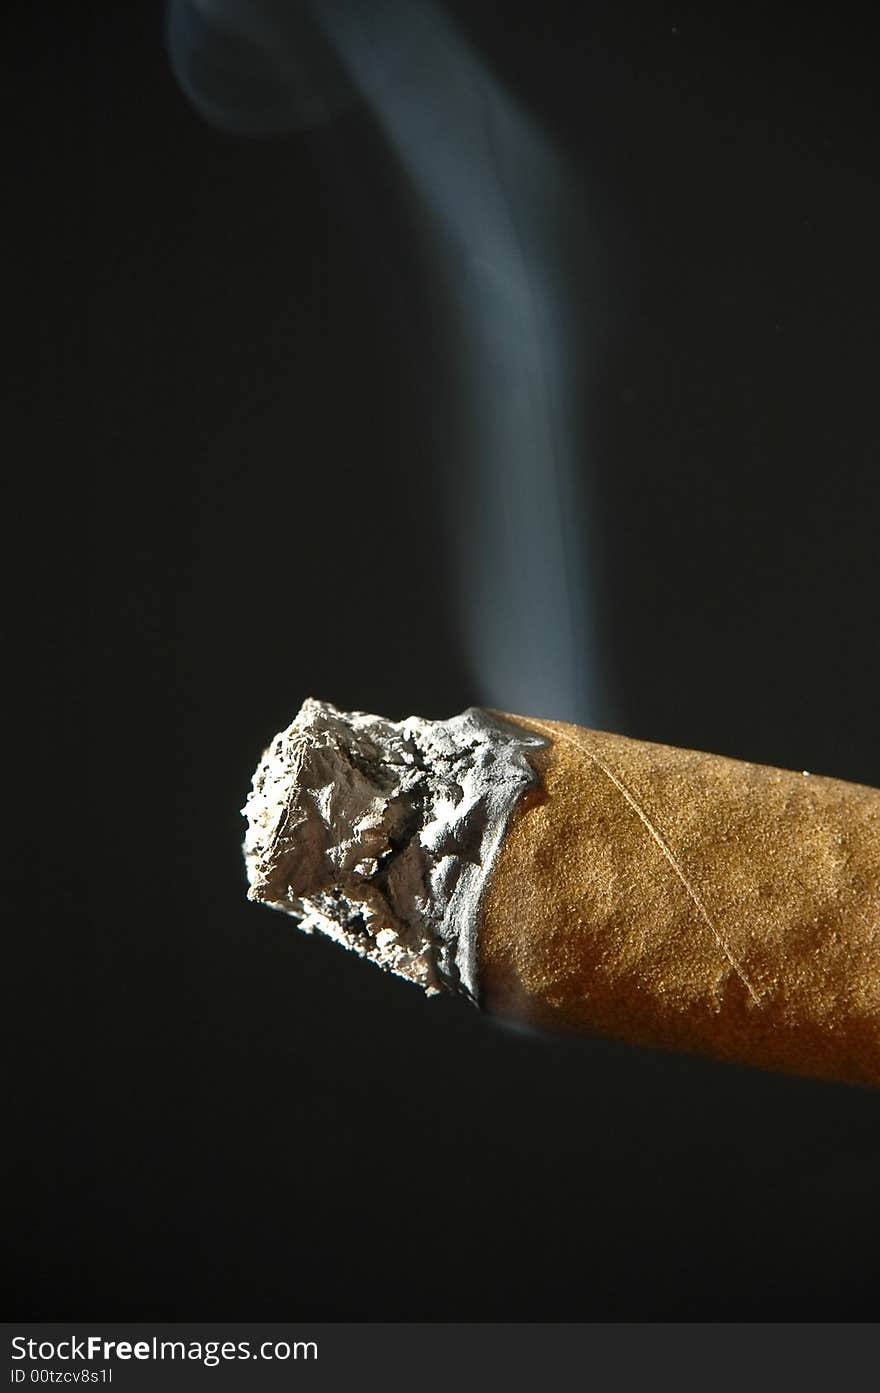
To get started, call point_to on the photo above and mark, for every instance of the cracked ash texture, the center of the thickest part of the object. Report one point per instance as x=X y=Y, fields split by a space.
x=382 y=834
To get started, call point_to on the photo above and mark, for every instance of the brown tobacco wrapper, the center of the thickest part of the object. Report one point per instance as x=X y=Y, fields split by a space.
x=692 y=902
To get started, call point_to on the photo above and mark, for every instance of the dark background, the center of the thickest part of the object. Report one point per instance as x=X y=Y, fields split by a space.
x=215 y=1116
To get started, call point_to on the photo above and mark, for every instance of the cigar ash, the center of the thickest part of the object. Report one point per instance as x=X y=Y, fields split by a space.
x=382 y=835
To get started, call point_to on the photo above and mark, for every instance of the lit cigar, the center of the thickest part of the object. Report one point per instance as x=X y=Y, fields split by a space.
x=570 y=879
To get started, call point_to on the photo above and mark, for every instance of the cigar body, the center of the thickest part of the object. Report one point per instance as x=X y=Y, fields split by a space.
x=688 y=901
x=571 y=879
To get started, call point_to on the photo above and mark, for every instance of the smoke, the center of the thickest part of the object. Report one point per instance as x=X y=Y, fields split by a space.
x=500 y=208
x=502 y=219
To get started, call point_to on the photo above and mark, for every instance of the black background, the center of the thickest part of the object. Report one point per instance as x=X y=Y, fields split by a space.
x=216 y=1117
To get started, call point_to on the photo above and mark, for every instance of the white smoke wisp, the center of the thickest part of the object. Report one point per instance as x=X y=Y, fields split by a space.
x=498 y=202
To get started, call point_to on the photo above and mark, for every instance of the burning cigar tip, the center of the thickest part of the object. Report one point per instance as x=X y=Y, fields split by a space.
x=381 y=834
x=574 y=879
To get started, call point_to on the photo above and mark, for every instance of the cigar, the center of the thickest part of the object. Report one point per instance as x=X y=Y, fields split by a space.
x=572 y=879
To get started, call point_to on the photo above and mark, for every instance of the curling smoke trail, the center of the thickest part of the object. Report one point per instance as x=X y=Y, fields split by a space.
x=496 y=199
x=498 y=208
